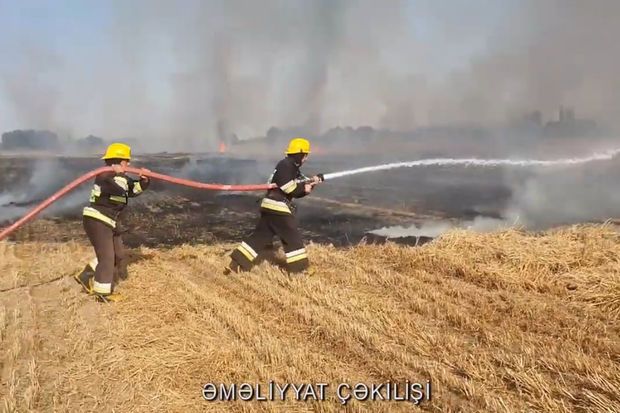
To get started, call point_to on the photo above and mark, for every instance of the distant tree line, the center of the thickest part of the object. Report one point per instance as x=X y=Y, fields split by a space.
x=31 y=139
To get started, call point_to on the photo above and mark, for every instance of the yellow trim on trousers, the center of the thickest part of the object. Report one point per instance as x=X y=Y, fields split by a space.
x=93 y=213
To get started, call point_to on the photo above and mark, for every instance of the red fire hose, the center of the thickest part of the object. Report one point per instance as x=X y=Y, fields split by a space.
x=71 y=186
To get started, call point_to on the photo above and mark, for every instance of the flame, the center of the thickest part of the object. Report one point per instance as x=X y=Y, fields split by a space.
x=223 y=147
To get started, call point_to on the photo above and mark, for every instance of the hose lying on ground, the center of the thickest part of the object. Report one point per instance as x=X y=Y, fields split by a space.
x=74 y=184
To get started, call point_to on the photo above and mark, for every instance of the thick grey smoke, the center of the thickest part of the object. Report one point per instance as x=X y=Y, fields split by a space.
x=47 y=177
x=434 y=229
x=186 y=73
x=567 y=57
x=545 y=199
x=554 y=52
x=235 y=67
x=550 y=53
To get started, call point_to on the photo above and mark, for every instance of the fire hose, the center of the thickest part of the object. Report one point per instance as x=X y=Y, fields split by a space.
x=77 y=182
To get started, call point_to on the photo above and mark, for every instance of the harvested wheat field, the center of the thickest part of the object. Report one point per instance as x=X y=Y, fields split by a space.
x=503 y=322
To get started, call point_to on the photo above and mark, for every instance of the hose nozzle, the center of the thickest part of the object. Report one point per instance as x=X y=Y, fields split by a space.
x=308 y=180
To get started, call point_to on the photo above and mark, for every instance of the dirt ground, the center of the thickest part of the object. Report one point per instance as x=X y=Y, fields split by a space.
x=502 y=322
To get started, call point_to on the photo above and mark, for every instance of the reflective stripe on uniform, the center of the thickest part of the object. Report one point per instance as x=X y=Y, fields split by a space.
x=93 y=213
x=122 y=182
x=297 y=258
x=95 y=193
x=296 y=252
x=247 y=251
x=137 y=188
x=102 y=288
x=273 y=205
x=93 y=263
x=296 y=255
x=117 y=198
x=289 y=186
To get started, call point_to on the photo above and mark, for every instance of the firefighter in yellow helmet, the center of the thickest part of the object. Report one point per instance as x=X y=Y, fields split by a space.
x=102 y=221
x=277 y=213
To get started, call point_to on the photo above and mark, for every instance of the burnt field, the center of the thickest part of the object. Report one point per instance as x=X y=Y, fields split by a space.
x=341 y=212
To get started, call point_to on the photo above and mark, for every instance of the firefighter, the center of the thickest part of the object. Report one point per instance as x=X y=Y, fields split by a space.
x=102 y=221
x=277 y=213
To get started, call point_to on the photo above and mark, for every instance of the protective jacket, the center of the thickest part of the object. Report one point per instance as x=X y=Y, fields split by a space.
x=109 y=197
x=279 y=200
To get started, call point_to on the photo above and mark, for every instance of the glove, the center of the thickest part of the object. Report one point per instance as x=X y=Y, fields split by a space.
x=321 y=177
x=143 y=172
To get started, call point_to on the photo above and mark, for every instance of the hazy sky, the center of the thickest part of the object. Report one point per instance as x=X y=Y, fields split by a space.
x=160 y=69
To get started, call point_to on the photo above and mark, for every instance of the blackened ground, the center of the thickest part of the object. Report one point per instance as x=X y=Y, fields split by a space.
x=167 y=218
x=230 y=218
x=455 y=192
x=340 y=211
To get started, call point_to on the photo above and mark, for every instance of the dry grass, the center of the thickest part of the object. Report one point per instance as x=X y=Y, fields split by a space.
x=505 y=322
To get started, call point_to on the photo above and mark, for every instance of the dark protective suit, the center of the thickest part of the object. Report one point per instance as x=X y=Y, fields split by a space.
x=277 y=217
x=103 y=223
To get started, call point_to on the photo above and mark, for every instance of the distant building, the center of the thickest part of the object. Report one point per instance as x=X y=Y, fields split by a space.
x=568 y=125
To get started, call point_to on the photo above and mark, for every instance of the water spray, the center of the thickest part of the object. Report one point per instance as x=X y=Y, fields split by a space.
x=262 y=187
x=607 y=155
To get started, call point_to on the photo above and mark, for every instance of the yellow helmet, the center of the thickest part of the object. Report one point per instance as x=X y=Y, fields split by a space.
x=298 y=145
x=117 y=151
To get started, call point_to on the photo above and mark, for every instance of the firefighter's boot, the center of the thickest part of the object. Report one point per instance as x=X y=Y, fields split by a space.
x=107 y=297
x=86 y=277
x=113 y=297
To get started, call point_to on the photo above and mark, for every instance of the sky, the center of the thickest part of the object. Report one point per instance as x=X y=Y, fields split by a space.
x=159 y=69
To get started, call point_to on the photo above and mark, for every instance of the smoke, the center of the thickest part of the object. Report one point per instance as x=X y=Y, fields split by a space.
x=47 y=176
x=28 y=89
x=550 y=53
x=545 y=199
x=183 y=75
x=434 y=229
